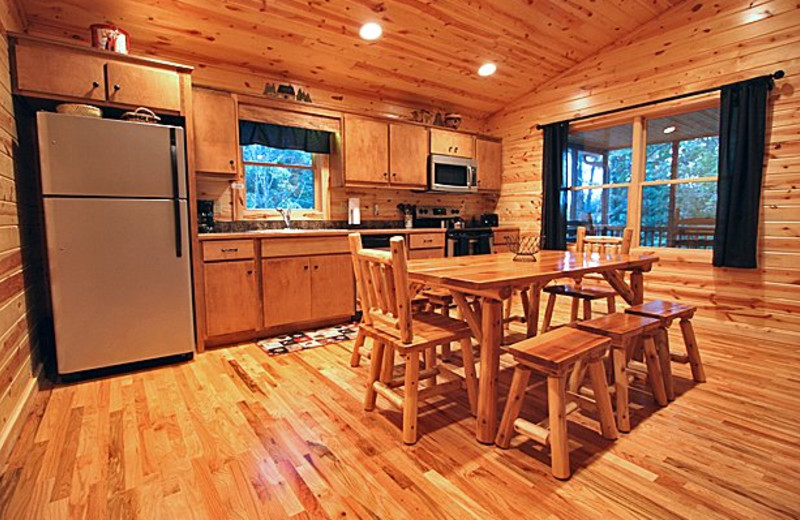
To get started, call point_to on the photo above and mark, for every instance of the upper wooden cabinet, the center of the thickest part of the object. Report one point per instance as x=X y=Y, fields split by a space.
x=489 y=156
x=380 y=153
x=446 y=142
x=131 y=84
x=408 y=155
x=52 y=70
x=216 y=146
x=63 y=71
x=366 y=151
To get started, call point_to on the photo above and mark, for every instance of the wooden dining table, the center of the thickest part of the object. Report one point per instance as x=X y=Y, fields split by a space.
x=479 y=284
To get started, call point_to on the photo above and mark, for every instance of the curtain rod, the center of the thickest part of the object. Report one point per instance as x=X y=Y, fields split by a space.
x=778 y=74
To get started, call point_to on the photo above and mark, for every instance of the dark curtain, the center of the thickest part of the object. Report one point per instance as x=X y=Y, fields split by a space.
x=284 y=137
x=743 y=120
x=554 y=205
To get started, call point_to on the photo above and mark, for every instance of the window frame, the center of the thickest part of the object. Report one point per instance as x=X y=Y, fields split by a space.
x=639 y=118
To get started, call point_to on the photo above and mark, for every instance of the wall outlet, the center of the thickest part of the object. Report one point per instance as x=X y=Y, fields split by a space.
x=376 y=211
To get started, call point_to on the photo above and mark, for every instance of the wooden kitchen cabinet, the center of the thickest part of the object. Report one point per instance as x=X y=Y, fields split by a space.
x=216 y=143
x=446 y=142
x=489 y=158
x=52 y=70
x=287 y=290
x=366 y=151
x=232 y=297
x=133 y=84
x=408 y=155
x=332 y=286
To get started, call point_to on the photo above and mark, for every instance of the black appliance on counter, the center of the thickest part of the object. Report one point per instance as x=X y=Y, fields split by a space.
x=205 y=216
x=490 y=220
x=461 y=240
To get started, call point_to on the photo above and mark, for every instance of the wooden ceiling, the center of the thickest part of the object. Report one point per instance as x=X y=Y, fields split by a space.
x=429 y=53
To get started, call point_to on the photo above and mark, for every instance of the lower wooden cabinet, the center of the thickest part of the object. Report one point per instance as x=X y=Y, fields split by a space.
x=232 y=297
x=307 y=288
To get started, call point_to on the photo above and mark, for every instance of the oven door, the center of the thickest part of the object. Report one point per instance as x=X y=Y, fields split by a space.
x=452 y=174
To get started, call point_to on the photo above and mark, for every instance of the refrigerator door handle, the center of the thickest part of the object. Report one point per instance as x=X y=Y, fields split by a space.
x=176 y=204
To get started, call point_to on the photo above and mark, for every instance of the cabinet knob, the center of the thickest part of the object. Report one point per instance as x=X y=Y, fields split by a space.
x=95 y=84
x=316 y=267
x=305 y=268
x=456 y=149
x=116 y=87
x=232 y=163
x=386 y=174
x=249 y=271
x=394 y=175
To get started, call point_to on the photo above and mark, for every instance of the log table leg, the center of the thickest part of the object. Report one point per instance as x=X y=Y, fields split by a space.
x=491 y=336
x=532 y=316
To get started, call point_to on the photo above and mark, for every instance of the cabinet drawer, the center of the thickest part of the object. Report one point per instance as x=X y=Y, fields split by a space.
x=51 y=70
x=444 y=142
x=143 y=86
x=228 y=250
x=278 y=247
x=419 y=254
x=425 y=240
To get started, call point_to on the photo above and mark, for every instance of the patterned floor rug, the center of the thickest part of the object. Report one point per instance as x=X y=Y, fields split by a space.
x=309 y=339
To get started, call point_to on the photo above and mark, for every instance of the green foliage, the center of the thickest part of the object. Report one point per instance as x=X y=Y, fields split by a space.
x=272 y=187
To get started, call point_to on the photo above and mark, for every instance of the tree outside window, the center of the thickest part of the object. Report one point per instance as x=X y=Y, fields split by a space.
x=277 y=178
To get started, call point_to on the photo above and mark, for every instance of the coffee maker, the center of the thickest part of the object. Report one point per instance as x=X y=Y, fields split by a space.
x=205 y=216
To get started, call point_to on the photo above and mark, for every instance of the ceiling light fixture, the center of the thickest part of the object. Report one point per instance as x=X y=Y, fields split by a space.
x=370 y=31
x=669 y=129
x=487 y=69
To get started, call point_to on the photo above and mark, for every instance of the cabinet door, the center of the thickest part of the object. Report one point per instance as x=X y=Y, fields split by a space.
x=445 y=142
x=287 y=290
x=51 y=70
x=215 y=123
x=408 y=155
x=332 y=286
x=232 y=302
x=489 y=155
x=366 y=151
x=143 y=86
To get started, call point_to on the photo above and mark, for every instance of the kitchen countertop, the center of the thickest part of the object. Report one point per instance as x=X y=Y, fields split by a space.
x=287 y=233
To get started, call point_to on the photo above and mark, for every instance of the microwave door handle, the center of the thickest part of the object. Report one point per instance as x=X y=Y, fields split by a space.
x=474 y=174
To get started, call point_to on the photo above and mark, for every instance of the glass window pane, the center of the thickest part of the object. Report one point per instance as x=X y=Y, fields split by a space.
x=265 y=154
x=272 y=187
x=679 y=215
x=683 y=146
x=603 y=211
x=600 y=156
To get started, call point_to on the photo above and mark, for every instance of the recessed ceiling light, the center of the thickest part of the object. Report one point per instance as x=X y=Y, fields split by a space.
x=487 y=69
x=669 y=129
x=370 y=31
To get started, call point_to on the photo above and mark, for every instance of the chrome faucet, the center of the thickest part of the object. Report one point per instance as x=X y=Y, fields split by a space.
x=286 y=213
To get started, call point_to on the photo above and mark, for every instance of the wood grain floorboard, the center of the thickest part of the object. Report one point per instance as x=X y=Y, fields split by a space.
x=238 y=434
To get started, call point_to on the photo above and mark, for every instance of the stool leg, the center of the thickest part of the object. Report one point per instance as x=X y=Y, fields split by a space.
x=612 y=305
x=470 y=378
x=577 y=376
x=507 y=310
x=587 y=310
x=374 y=373
x=410 y=403
x=557 y=411
x=548 y=312
x=619 y=357
x=526 y=304
x=387 y=371
x=430 y=363
x=573 y=313
x=662 y=345
x=698 y=372
x=516 y=395
x=446 y=346
x=532 y=310
x=654 y=374
x=602 y=399
x=355 y=358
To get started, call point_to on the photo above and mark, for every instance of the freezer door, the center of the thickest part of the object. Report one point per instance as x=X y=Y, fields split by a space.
x=88 y=156
x=120 y=292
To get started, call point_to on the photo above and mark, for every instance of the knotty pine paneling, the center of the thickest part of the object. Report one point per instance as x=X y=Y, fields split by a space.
x=20 y=274
x=694 y=45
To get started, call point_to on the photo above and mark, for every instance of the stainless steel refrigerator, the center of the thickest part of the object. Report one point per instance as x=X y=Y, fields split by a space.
x=117 y=231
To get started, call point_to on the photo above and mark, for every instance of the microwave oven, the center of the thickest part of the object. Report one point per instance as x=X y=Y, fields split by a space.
x=452 y=174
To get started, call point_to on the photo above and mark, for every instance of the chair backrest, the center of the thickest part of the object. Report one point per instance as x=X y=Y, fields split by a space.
x=382 y=281
x=602 y=244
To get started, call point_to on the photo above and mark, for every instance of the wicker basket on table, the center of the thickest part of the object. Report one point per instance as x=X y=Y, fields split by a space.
x=524 y=247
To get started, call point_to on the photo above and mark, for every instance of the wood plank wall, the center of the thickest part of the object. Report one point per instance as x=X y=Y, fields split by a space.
x=693 y=46
x=21 y=283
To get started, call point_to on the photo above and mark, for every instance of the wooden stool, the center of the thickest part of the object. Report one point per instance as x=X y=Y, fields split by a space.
x=553 y=354
x=440 y=300
x=667 y=312
x=624 y=330
x=393 y=328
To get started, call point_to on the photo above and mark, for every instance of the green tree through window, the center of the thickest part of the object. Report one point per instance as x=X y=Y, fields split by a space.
x=277 y=178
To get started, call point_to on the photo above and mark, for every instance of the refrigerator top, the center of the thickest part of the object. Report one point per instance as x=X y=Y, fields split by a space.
x=93 y=157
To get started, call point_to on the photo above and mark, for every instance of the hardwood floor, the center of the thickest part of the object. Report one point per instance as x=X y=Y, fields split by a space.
x=238 y=434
